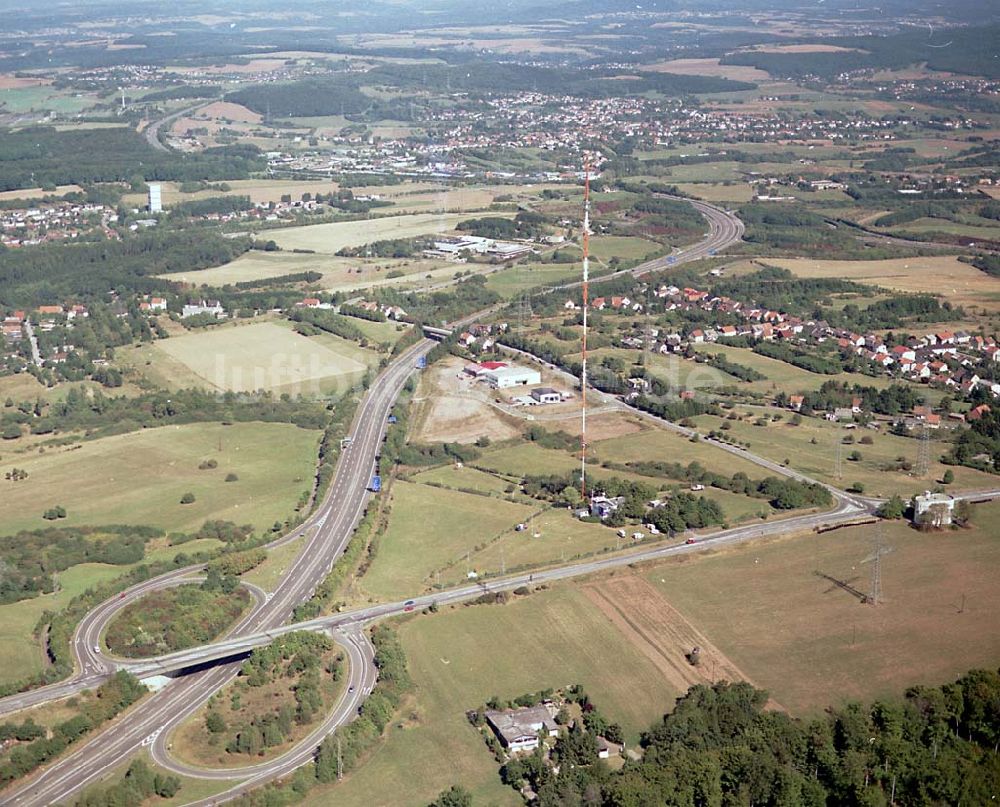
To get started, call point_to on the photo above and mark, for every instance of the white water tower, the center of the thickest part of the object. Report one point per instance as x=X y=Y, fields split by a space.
x=155 y=199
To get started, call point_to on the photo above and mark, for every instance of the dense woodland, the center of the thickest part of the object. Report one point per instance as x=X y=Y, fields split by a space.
x=969 y=51
x=85 y=272
x=46 y=156
x=30 y=559
x=719 y=747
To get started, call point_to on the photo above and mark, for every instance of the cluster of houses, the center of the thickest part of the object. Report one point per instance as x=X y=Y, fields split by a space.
x=390 y=312
x=947 y=359
x=481 y=337
x=57 y=221
x=13 y=326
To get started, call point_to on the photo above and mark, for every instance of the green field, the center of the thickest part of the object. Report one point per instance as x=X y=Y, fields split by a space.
x=268 y=356
x=463 y=656
x=812 y=644
x=337 y=273
x=329 y=238
x=19 y=100
x=718 y=192
x=784 y=376
x=781 y=440
x=464 y=478
x=514 y=279
x=139 y=478
x=429 y=528
x=18 y=645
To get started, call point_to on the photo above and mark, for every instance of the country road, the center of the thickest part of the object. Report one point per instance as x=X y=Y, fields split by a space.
x=325 y=536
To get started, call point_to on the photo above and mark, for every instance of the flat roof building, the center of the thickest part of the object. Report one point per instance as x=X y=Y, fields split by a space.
x=546 y=395
x=512 y=376
x=933 y=509
x=518 y=729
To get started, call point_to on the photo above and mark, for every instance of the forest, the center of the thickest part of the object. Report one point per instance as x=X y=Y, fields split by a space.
x=719 y=746
x=83 y=272
x=45 y=156
x=970 y=51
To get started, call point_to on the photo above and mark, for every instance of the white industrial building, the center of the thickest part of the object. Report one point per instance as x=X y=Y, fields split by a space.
x=512 y=376
x=155 y=199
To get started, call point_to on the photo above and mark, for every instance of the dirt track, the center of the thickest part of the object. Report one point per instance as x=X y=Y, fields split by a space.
x=661 y=634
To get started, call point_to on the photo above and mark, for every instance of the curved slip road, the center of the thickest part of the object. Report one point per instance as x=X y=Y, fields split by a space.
x=331 y=527
x=334 y=522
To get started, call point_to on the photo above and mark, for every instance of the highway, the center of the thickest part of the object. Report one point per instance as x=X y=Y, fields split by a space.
x=325 y=535
x=152 y=131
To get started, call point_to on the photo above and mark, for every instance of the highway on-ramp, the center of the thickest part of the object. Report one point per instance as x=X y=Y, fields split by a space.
x=325 y=536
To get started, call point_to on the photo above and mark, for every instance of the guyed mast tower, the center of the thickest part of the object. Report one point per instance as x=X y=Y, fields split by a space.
x=586 y=305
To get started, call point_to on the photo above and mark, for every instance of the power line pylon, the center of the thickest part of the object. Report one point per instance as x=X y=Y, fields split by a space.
x=838 y=469
x=924 y=452
x=875 y=594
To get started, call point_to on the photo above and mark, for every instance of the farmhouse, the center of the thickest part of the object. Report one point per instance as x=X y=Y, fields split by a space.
x=546 y=395
x=933 y=509
x=511 y=376
x=602 y=506
x=518 y=729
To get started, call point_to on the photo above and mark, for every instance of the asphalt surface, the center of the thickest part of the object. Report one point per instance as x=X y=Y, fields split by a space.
x=327 y=533
x=152 y=131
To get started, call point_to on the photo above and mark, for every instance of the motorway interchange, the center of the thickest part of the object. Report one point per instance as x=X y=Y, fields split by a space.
x=326 y=535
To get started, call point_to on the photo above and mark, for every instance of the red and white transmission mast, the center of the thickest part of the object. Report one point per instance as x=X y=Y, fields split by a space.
x=586 y=305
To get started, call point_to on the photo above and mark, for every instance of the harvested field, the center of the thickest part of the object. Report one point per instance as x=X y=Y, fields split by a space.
x=329 y=238
x=229 y=111
x=709 y=67
x=812 y=644
x=960 y=283
x=38 y=193
x=804 y=48
x=657 y=630
x=12 y=82
x=266 y=356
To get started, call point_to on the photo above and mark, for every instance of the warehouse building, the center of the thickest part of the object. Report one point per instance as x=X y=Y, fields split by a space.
x=511 y=376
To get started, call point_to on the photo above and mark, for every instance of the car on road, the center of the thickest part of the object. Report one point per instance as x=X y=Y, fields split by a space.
x=350 y=688
x=691 y=541
x=409 y=605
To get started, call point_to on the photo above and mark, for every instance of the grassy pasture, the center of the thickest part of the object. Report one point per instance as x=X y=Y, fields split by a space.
x=267 y=356
x=21 y=649
x=463 y=656
x=718 y=192
x=782 y=375
x=960 y=283
x=139 y=478
x=812 y=644
x=259 y=190
x=780 y=441
x=514 y=279
x=338 y=273
x=429 y=528
x=329 y=238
